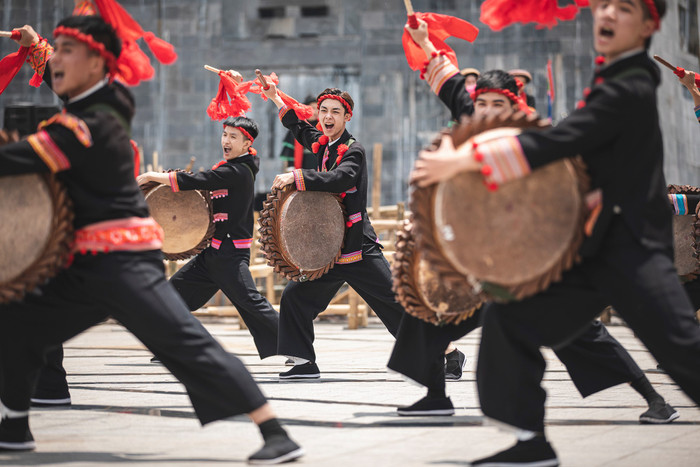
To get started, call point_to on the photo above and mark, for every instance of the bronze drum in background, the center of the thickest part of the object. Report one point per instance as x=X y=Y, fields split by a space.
x=185 y=216
x=686 y=233
x=36 y=232
x=514 y=241
x=420 y=289
x=302 y=232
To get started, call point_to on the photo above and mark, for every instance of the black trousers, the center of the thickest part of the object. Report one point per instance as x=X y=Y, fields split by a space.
x=640 y=283
x=303 y=301
x=228 y=269
x=595 y=360
x=133 y=289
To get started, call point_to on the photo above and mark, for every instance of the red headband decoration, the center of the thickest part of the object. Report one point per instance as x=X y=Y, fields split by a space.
x=245 y=133
x=338 y=98
x=653 y=12
x=90 y=41
x=512 y=97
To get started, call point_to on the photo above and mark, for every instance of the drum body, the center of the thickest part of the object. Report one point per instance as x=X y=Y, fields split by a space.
x=302 y=232
x=36 y=232
x=686 y=236
x=514 y=241
x=185 y=216
x=421 y=290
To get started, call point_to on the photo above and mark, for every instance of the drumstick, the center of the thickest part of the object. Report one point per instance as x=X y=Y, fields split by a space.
x=674 y=69
x=14 y=35
x=261 y=78
x=412 y=19
x=211 y=68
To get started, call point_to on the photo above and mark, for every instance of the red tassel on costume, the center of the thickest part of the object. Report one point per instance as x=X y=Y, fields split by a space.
x=137 y=157
x=315 y=147
x=323 y=140
x=440 y=27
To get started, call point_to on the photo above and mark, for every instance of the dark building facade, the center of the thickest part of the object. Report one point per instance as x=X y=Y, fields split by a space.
x=354 y=45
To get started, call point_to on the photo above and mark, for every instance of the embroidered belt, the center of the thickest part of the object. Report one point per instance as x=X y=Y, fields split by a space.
x=129 y=234
x=239 y=244
x=353 y=257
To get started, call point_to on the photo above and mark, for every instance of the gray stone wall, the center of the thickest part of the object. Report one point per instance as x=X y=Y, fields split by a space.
x=356 y=46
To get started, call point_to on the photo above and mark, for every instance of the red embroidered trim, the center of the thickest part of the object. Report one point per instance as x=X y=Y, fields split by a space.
x=85 y=8
x=130 y=234
x=73 y=123
x=92 y=44
x=39 y=55
x=338 y=98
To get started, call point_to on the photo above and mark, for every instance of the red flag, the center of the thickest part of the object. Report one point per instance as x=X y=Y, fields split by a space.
x=498 y=14
x=440 y=27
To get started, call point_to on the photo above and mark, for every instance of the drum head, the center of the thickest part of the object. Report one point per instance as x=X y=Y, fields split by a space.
x=510 y=236
x=185 y=217
x=36 y=232
x=423 y=292
x=27 y=211
x=514 y=241
x=302 y=232
x=313 y=229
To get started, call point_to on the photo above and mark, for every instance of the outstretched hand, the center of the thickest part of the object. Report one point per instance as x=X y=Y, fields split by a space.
x=282 y=180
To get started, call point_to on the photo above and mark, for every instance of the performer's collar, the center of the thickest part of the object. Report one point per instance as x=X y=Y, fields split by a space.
x=623 y=56
x=334 y=141
x=90 y=91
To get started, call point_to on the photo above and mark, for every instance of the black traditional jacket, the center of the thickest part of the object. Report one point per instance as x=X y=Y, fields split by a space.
x=232 y=190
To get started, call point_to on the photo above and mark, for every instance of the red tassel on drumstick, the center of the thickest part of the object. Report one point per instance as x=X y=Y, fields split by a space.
x=440 y=27
x=11 y=64
x=303 y=111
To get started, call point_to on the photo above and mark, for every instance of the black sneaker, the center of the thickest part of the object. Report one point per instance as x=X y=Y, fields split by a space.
x=659 y=412
x=532 y=453
x=15 y=435
x=429 y=406
x=308 y=370
x=277 y=449
x=51 y=402
x=455 y=362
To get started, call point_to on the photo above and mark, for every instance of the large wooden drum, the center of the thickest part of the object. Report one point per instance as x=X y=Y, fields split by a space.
x=302 y=232
x=185 y=217
x=422 y=291
x=36 y=232
x=686 y=237
x=514 y=241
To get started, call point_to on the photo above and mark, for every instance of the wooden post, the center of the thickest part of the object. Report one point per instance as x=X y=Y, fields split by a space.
x=156 y=167
x=352 y=313
x=189 y=166
x=376 y=180
x=400 y=211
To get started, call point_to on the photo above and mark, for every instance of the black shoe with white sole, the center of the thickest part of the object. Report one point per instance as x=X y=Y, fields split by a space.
x=429 y=406
x=15 y=435
x=277 y=449
x=305 y=371
x=659 y=412
x=536 y=452
x=455 y=362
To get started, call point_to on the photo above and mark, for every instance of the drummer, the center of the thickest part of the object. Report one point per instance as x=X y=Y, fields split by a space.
x=224 y=265
x=595 y=360
x=341 y=168
x=117 y=269
x=628 y=252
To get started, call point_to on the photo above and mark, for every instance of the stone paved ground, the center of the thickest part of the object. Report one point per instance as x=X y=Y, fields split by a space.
x=128 y=410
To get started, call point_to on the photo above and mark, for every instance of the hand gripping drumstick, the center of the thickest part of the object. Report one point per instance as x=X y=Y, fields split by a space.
x=680 y=72
x=412 y=19
x=261 y=78
x=14 y=35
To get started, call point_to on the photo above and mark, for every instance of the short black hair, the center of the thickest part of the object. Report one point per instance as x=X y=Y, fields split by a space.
x=337 y=92
x=98 y=29
x=497 y=79
x=243 y=122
